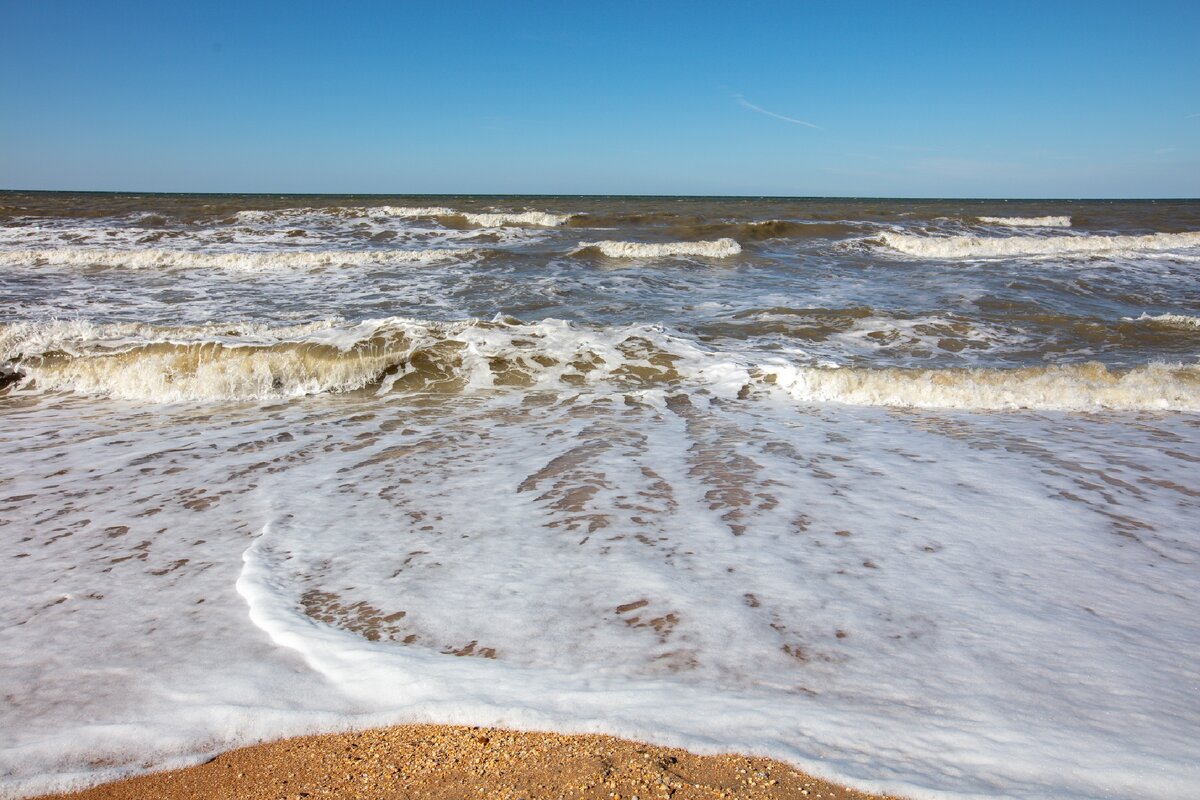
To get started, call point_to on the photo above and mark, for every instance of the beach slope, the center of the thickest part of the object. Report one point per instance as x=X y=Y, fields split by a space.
x=437 y=761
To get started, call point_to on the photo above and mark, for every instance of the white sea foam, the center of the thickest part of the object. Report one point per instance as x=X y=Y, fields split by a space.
x=79 y=336
x=254 y=216
x=485 y=219
x=404 y=212
x=1170 y=321
x=812 y=586
x=1027 y=222
x=1086 y=387
x=999 y=247
x=721 y=248
x=157 y=258
x=533 y=218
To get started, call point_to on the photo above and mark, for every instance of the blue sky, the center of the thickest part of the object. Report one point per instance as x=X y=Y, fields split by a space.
x=918 y=99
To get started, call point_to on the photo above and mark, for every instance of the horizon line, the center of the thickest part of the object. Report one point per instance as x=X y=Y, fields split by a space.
x=965 y=198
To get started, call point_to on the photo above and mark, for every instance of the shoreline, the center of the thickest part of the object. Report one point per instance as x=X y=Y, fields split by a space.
x=454 y=761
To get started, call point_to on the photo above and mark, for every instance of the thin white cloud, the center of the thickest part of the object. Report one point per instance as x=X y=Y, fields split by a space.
x=1192 y=116
x=744 y=103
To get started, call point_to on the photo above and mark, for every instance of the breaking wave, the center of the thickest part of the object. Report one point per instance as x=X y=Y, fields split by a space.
x=1083 y=387
x=994 y=247
x=539 y=219
x=487 y=219
x=249 y=362
x=339 y=212
x=1171 y=321
x=151 y=258
x=243 y=362
x=77 y=337
x=721 y=248
x=1027 y=222
x=170 y=364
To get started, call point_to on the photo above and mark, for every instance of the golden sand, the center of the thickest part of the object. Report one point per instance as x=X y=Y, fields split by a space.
x=436 y=761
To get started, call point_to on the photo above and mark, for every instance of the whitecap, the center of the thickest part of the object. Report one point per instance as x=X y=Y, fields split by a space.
x=1027 y=222
x=155 y=258
x=721 y=248
x=998 y=247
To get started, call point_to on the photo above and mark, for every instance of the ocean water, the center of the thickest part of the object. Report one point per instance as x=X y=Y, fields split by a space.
x=903 y=492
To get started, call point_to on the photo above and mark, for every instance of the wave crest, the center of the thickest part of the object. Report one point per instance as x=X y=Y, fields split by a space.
x=997 y=247
x=154 y=258
x=539 y=219
x=485 y=219
x=239 y=361
x=1027 y=222
x=1083 y=387
x=721 y=248
x=1182 y=321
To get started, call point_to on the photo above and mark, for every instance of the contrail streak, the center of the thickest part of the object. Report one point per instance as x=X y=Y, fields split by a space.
x=744 y=103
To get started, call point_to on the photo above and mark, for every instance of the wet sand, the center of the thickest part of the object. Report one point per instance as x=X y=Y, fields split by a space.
x=434 y=761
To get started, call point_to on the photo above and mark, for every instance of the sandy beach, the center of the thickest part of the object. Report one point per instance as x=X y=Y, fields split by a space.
x=437 y=761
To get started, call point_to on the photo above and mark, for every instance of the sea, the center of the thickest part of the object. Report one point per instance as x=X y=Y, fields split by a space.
x=903 y=492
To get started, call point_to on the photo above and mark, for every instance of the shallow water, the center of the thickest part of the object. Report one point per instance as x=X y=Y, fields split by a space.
x=900 y=491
